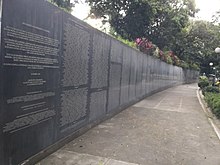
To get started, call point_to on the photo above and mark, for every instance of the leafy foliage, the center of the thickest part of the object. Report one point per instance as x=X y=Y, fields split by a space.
x=158 y=20
x=147 y=47
x=213 y=101
x=197 y=44
x=203 y=82
x=125 y=41
x=212 y=95
x=65 y=4
x=212 y=89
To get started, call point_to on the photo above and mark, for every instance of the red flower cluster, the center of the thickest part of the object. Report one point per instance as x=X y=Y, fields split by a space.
x=162 y=56
x=175 y=59
x=143 y=44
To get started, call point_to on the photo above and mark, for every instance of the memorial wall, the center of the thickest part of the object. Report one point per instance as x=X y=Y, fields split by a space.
x=58 y=75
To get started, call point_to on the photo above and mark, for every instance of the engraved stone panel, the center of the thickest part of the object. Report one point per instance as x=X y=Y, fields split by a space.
x=116 y=51
x=27 y=120
x=147 y=64
x=73 y=107
x=163 y=82
x=172 y=74
x=161 y=78
x=155 y=74
x=97 y=105
x=1 y=88
x=28 y=36
x=144 y=75
x=157 y=70
x=151 y=74
x=30 y=70
x=125 y=76
x=100 y=66
x=76 y=54
x=163 y=75
x=133 y=75
x=114 y=89
x=167 y=74
x=33 y=54
x=138 y=92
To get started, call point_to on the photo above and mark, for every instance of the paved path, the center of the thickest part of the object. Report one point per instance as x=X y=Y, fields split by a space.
x=168 y=128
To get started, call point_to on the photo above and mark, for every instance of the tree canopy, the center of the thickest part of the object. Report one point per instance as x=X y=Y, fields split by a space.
x=65 y=4
x=158 y=20
x=198 y=45
x=167 y=23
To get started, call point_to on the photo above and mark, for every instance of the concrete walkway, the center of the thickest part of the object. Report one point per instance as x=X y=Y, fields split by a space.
x=168 y=128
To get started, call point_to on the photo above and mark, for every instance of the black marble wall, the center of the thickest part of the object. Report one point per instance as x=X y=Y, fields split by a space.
x=1 y=94
x=58 y=74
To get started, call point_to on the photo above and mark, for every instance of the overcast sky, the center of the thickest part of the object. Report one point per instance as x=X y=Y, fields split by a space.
x=207 y=8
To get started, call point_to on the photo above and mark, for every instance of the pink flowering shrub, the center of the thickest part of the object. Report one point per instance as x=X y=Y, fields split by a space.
x=144 y=45
x=175 y=59
x=162 y=56
x=147 y=47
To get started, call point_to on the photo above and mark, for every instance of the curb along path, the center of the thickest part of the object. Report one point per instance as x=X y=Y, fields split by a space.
x=167 y=128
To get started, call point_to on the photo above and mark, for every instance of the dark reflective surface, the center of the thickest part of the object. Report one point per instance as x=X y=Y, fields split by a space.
x=58 y=74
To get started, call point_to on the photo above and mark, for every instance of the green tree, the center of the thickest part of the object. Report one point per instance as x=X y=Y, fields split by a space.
x=65 y=4
x=198 y=42
x=159 y=20
x=170 y=19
